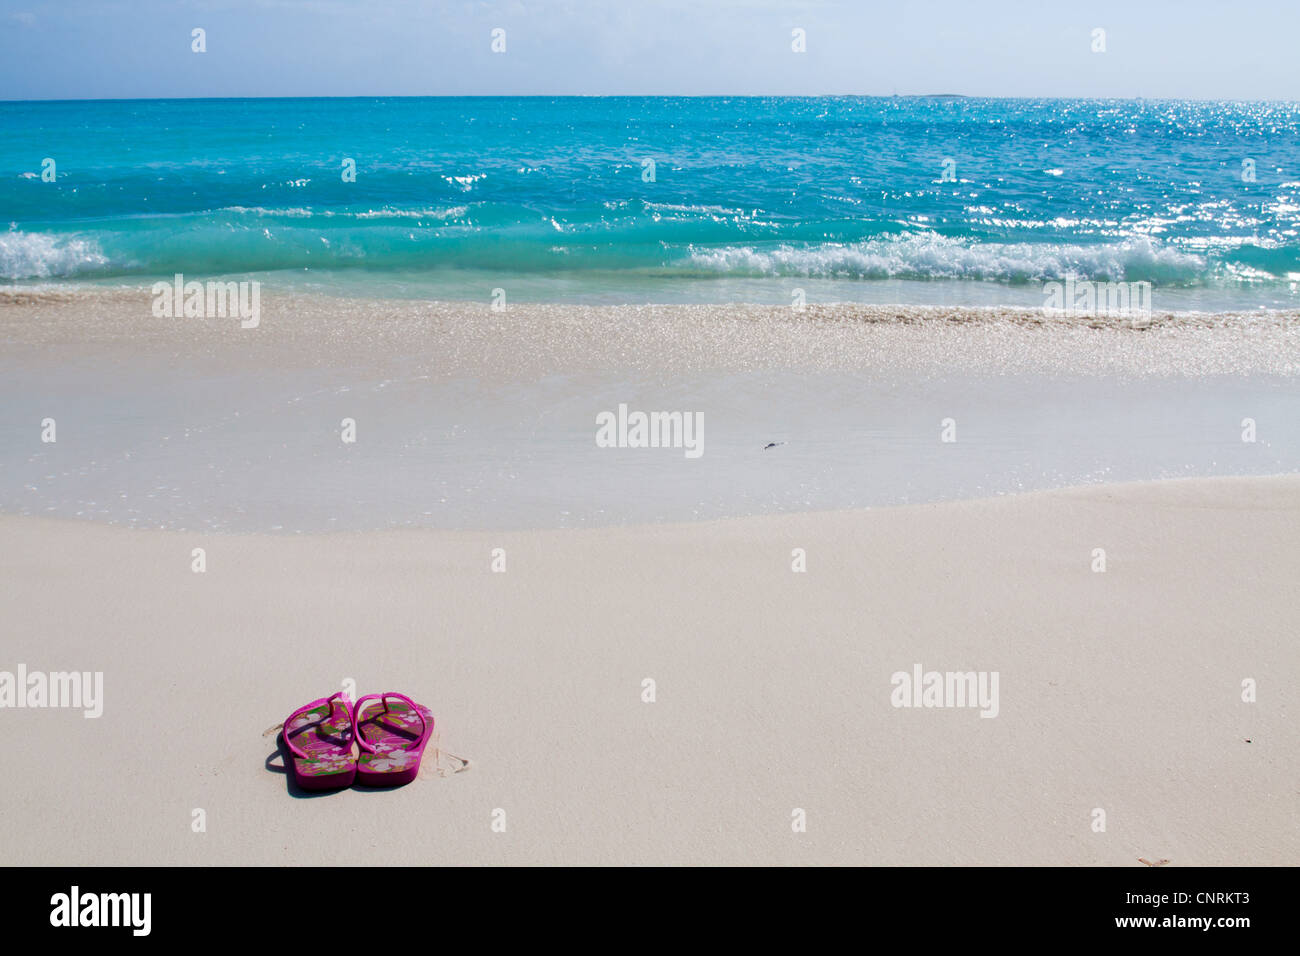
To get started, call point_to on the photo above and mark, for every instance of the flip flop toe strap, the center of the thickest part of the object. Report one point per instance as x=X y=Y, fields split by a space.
x=382 y=698
x=293 y=748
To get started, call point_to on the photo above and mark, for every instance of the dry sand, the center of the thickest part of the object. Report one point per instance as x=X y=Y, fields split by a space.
x=1119 y=690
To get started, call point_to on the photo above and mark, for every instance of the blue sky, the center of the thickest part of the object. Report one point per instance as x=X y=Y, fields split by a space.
x=53 y=49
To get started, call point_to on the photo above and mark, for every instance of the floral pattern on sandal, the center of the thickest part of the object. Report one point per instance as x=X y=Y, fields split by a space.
x=392 y=733
x=319 y=737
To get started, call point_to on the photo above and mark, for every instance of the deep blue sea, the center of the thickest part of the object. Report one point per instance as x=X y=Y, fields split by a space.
x=906 y=199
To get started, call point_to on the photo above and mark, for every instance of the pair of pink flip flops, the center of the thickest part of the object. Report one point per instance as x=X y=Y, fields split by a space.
x=391 y=733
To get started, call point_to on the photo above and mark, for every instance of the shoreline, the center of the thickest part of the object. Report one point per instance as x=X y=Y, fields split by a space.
x=469 y=418
x=137 y=290
x=1119 y=690
x=526 y=339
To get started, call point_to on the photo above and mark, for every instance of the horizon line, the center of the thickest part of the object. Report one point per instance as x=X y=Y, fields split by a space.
x=665 y=96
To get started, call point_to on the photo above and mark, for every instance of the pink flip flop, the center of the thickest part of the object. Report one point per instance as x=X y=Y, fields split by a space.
x=322 y=750
x=391 y=738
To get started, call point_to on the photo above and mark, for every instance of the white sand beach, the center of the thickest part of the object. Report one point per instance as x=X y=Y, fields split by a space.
x=466 y=418
x=1119 y=691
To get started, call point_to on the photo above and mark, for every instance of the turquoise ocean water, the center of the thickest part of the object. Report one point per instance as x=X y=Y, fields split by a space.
x=895 y=199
